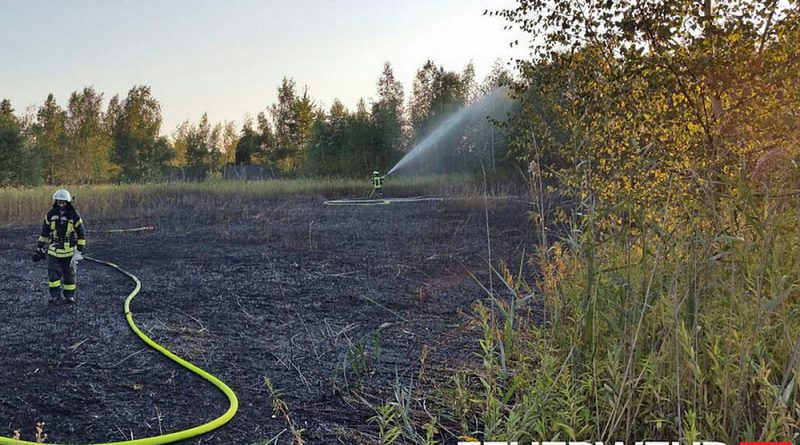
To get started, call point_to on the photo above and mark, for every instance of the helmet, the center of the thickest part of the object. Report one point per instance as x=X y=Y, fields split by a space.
x=375 y=173
x=62 y=195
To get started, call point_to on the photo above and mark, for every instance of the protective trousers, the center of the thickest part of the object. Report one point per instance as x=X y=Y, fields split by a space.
x=60 y=274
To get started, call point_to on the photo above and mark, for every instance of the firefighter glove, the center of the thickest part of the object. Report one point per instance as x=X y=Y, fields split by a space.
x=77 y=256
x=39 y=255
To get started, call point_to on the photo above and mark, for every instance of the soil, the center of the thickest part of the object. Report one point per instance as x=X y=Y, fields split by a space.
x=287 y=289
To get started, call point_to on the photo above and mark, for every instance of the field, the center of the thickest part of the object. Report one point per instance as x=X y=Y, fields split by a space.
x=332 y=304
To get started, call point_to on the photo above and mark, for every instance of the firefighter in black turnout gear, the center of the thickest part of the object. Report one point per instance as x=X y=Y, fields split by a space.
x=377 y=184
x=63 y=230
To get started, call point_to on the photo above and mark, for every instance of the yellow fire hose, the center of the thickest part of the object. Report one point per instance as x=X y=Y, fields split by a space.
x=379 y=201
x=357 y=202
x=137 y=229
x=170 y=437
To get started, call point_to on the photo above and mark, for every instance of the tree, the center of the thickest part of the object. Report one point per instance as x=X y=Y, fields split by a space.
x=329 y=152
x=449 y=94
x=283 y=118
x=248 y=146
x=88 y=143
x=359 y=138
x=11 y=159
x=199 y=143
x=138 y=149
x=267 y=140
x=49 y=137
x=304 y=115
x=180 y=144
x=422 y=96
x=337 y=117
x=226 y=153
x=498 y=76
x=471 y=88
x=387 y=116
x=282 y=112
x=293 y=118
x=206 y=147
x=321 y=154
x=436 y=94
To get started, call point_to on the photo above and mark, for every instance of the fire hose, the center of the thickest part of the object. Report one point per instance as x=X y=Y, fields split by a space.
x=379 y=201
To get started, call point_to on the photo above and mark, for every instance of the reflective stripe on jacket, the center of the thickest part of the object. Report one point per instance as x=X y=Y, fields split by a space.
x=64 y=232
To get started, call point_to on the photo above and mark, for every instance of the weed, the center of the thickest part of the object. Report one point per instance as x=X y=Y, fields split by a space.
x=674 y=322
x=39 y=435
x=376 y=345
x=405 y=403
x=421 y=294
x=423 y=358
x=357 y=360
x=279 y=407
x=386 y=419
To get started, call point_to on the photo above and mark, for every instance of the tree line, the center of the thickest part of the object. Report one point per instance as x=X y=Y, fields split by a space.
x=87 y=142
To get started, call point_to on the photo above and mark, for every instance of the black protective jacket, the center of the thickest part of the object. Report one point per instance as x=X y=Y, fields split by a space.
x=64 y=232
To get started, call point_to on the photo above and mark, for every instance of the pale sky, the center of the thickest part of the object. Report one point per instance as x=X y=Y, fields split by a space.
x=228 y=57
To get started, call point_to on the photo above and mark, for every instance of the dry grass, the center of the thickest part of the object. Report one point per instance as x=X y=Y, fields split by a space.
x=39 y=435
x=26 y=206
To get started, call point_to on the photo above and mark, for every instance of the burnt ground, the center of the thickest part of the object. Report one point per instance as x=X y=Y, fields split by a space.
x=286 y=288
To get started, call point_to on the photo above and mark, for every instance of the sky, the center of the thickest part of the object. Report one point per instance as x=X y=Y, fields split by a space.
x=227 y=58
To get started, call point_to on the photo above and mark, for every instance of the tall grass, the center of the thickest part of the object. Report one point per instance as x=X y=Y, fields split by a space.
x=28 y=205
x=682 y=325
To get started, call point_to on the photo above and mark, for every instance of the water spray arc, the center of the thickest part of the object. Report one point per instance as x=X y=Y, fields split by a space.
x=495 y=105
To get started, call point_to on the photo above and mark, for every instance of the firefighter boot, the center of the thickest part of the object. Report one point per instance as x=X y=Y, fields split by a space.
x=55 y=294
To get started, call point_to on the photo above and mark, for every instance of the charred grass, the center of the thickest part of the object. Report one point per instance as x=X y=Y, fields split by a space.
x=339 y=309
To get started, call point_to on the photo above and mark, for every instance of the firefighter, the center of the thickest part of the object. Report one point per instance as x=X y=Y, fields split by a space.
x=377 y=183
x=63 y=230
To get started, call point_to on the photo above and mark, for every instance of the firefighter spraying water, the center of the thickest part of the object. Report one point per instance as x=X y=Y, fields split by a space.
x=377 y=184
